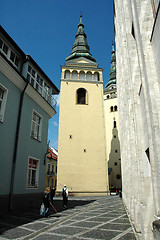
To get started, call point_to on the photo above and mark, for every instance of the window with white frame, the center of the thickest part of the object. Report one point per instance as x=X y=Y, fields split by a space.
x=33 y=172
x=36 y=126
x=37 y=82
x=3 y=99
x=9 y=53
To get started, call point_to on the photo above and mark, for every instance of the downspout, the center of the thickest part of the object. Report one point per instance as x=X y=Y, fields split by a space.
x=15 y=149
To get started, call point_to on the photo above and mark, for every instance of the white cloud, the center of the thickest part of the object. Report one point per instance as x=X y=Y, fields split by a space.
x=57 y=98
x=55 y=123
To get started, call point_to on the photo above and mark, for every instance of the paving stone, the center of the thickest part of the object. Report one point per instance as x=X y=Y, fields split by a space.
x=111 y=214
x=79 y=217
x=15 y=233
x=85 y=224
x=67 y=230
x=100 y=234
x=120 y=227
x=49 y=237
x=100 y=219
x=68 y=222
x=122 y=220
x=36 y=226
x=128 y=236
x=52 y=221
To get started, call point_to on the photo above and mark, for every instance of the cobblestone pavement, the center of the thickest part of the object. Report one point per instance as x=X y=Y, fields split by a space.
x=86 y=218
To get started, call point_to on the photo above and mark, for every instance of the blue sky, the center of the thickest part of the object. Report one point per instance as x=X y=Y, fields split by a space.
x=46 y=29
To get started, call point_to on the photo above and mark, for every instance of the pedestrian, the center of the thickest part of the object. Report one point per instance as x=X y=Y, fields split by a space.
x=52 y=193
x=46 y=200
x=65 y=196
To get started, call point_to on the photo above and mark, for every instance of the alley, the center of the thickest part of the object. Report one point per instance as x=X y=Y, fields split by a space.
x=86 y=218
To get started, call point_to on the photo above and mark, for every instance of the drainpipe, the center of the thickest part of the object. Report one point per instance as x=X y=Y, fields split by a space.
x=15 y=149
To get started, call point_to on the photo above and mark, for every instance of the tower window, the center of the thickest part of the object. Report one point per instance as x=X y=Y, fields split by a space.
x=114 y=124
x=96 y=76
x=67 y=74
x=111 y=108
x=81 y=96
x=89 y=76
x=75 y=75
x=115 y=108
x=81 y=76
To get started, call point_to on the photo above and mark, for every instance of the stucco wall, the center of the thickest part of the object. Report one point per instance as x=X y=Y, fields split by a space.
x=27 y=146
x=112 y=141
x=83 y=172
x=139 y=109
x=7 y=133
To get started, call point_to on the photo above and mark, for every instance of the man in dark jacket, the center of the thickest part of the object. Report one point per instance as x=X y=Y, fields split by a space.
x=65 y=196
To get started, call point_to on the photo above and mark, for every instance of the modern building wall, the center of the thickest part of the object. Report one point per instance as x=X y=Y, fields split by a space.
x=139 y=109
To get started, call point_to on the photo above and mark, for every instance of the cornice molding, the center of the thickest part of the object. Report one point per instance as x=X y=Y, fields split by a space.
x=82 y=81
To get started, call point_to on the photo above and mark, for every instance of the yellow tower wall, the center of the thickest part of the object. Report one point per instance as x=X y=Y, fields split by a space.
x=82 y=164
x=112 y=142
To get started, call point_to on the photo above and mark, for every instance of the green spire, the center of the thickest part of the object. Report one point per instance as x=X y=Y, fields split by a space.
x=80 y=47
x=112 y=79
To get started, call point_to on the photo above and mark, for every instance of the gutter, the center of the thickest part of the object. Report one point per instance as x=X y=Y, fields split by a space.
x=15 y=149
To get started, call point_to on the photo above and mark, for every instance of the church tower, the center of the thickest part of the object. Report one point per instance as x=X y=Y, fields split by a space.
x=112 y=128
x=82 y=164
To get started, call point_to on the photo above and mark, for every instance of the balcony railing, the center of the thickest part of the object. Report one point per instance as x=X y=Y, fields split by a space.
x=51 y=173
x=43 y=90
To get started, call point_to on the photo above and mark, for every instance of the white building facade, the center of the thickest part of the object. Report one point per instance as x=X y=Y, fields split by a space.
x=137 y=32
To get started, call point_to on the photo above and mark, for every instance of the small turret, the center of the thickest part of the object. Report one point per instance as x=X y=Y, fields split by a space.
x=112 y=79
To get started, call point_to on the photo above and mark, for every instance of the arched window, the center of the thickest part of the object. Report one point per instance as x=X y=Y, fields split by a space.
x=67 y=74
x=115 y=108
x=96 y=76
x=89 y=76
x=74 y=75
x=81 y=96
x=111 y=108
x=114 y=124
x=82 y=75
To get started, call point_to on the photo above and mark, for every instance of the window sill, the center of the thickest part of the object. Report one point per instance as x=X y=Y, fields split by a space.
x=82 y=104
x=38 y=140
x=32 y=187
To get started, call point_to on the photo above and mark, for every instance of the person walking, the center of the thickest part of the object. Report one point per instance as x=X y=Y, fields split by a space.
x=52 y=193
x=65 y=196
x=46 y=200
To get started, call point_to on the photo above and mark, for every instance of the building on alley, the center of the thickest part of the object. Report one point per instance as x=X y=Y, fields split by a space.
x=26 y=105
x=112 y=129
x=137 y=34
x=82 y=163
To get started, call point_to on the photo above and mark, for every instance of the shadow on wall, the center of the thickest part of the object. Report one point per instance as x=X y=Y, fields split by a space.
x=114 y=163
